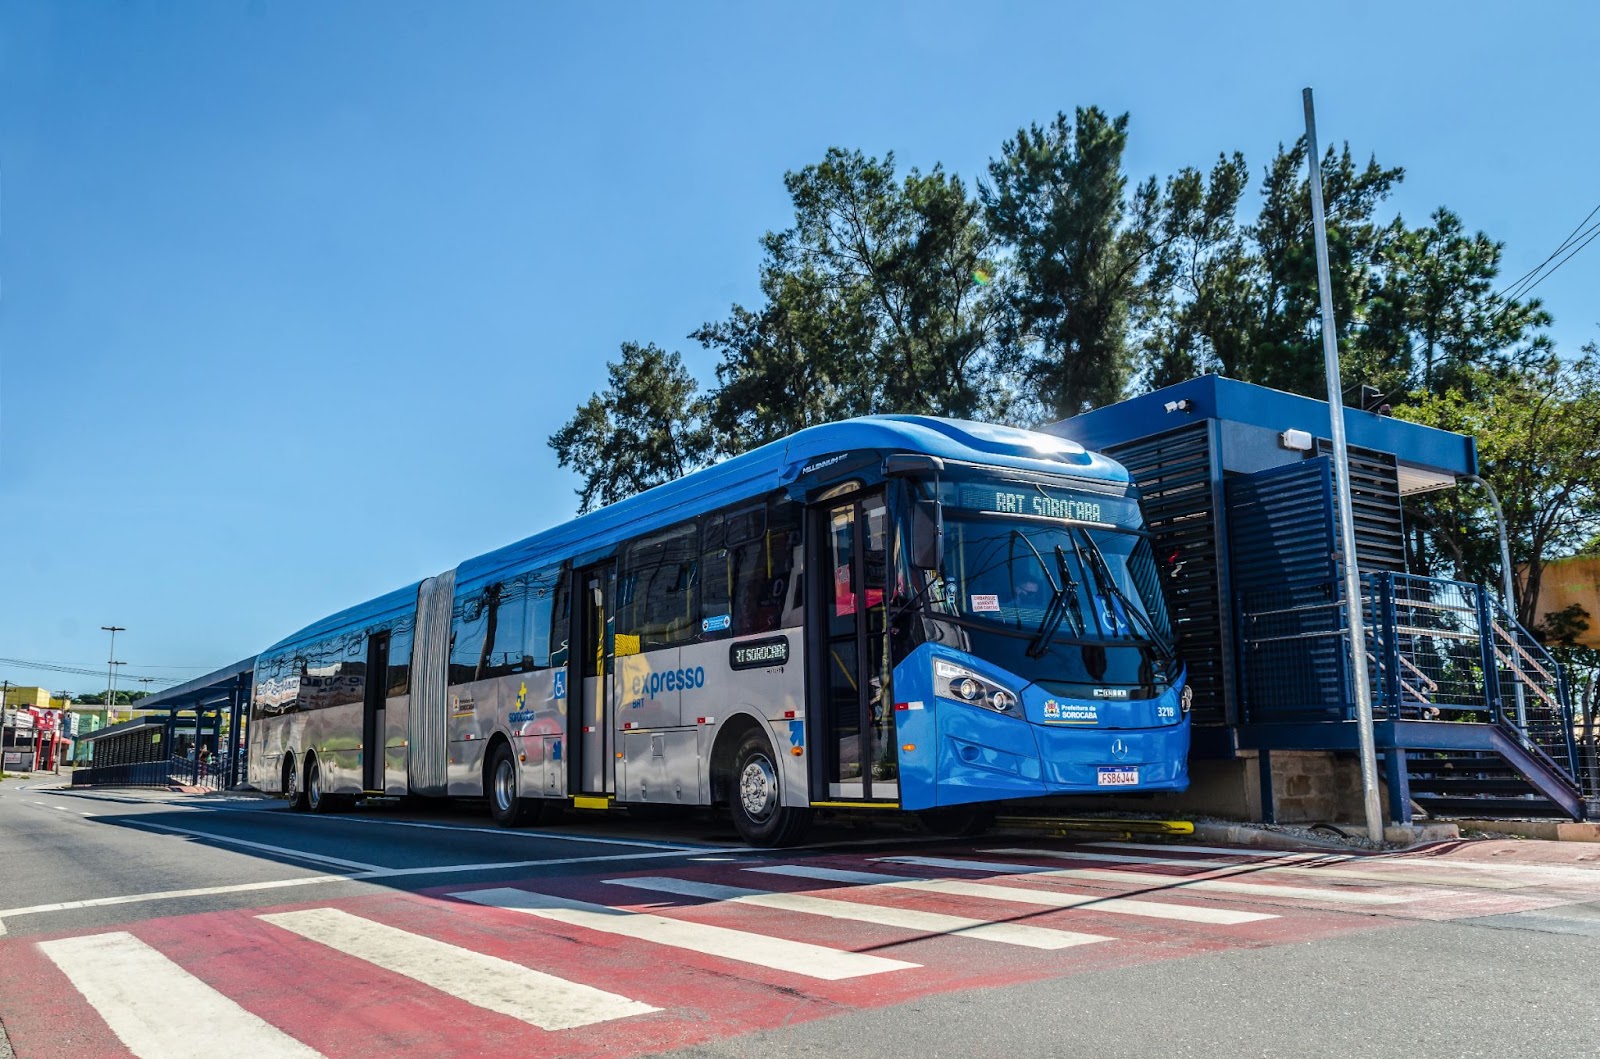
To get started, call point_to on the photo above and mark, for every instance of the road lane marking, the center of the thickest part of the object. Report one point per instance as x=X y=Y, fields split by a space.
x=272 y=884
x=1400 y=864
x=905 y=918
x=778 y=954
x=338 y=862
x=552 y=836
x=1125 y=906
x=159 y=1010
x=540 y=999
x=1272 y=854
x=1165 y=882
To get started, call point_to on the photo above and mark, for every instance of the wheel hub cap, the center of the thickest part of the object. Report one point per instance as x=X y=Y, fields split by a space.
x=505 y=786
x=758 y=788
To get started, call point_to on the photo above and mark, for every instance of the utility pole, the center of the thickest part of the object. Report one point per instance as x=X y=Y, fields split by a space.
x=111 y=673
x=1341 y=474
x=66 y=703
x=5 y=693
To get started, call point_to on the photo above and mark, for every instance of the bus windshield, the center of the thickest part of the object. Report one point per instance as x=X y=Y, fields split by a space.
x=1052 y=583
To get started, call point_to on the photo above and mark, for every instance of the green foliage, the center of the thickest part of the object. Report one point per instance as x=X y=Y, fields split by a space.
x=1283 y=346
x=1538 y=433
x=871 y=306
x=124 y=698
x=1057 y=198
x=649 y=426
x=1199 y=295
x=1431 y=316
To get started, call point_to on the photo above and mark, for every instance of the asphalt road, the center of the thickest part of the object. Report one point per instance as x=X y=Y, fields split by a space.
x=1467 y=950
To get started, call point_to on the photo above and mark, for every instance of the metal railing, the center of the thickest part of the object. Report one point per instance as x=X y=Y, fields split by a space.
x=1438 y=651
x=162 y=772
x=1531 y=691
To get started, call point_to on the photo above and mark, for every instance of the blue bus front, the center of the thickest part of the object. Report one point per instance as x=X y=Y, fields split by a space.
x=1036 y=657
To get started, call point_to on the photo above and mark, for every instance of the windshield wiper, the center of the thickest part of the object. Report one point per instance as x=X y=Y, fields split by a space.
x=1100 y=570
x=1063 y=600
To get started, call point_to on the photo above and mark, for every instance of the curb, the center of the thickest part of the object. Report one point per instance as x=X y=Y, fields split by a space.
x=1546 y=830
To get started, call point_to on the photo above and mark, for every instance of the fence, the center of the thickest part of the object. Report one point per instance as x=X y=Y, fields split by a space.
x=170 y=772
x=1437 y=651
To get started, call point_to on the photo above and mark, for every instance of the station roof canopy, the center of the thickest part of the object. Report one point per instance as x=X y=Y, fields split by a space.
x=208 y=690
x=1249 y=416
x=122 y=728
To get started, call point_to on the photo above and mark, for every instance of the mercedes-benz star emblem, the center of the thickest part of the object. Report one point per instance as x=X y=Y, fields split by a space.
x=1119 y=749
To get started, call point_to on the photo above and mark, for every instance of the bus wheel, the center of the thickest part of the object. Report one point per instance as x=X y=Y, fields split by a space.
x=957 y=821
x=755 y=797
x=316 y=800
x=291 y=786
x=506 y=805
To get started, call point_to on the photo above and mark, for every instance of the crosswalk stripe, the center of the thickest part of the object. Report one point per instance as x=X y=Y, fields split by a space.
x=779 y=954
x=1223 y=851
x=1310 y=865
x=907 y=918
x=540 y=999
x=1173 y=882
x=1126 y=906
x=159 y=1010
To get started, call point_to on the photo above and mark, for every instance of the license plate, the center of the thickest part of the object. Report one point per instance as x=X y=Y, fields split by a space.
x=1113 y=776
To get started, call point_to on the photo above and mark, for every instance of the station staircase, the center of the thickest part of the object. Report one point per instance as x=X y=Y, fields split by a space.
x=1472 y=714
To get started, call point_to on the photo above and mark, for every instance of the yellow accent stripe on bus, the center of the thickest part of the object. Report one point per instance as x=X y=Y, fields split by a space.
x=855 y=805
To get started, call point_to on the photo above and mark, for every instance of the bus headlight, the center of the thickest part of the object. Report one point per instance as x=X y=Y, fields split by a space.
x=956 y=682
x=1186 y=699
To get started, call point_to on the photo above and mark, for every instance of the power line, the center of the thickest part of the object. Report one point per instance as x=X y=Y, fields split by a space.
x=52 y=667
x=1553 y=253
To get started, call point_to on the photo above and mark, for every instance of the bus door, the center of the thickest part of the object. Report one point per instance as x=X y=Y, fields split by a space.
x=374 y=697
x=592 y=661
x=853 y=701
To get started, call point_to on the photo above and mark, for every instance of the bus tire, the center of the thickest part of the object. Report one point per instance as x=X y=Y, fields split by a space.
x=317 y=800
x=957 y=821
x=507 y=807
x=755 y=797
x=292 y=787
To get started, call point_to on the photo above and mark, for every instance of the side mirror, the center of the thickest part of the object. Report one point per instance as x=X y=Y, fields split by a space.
x=927 y=534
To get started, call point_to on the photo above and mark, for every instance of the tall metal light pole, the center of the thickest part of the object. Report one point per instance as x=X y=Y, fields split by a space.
x=1341 y=473
x=5 y=693
x=66 y=703
x=111 y=673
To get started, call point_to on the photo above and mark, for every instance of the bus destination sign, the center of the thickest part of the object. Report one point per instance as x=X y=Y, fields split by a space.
x=759 y=654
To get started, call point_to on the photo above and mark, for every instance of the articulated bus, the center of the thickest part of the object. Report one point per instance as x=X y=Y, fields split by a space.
x=894 y=612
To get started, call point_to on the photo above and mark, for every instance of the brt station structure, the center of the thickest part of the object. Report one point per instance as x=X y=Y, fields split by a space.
x=206 y=747
x=1472 y=715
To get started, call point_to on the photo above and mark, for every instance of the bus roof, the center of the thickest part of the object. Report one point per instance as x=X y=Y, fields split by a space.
x=750 y=474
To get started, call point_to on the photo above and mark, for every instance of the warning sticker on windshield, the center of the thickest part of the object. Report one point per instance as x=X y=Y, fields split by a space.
x=985 y=603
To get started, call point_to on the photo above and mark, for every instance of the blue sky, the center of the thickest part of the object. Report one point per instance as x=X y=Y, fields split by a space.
x=291 y=294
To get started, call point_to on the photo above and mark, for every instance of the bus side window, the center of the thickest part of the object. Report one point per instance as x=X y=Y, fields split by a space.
x=762 y=561
x=655 y=598
x=399 y=677
x=541 y=606
x=561 y=621
x=716 y=588
x=467 y=626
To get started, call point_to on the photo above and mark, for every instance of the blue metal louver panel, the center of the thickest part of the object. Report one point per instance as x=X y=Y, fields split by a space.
x=1292 y=635
x=1176 y=474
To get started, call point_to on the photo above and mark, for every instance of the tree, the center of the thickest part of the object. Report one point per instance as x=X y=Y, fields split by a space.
x=1198 y=305
x=875 y=280
x=1431 y=314
x=1282 y=347
x=647 y=427
x=1056 y=197
x=98 y=698
x=1538 y=434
